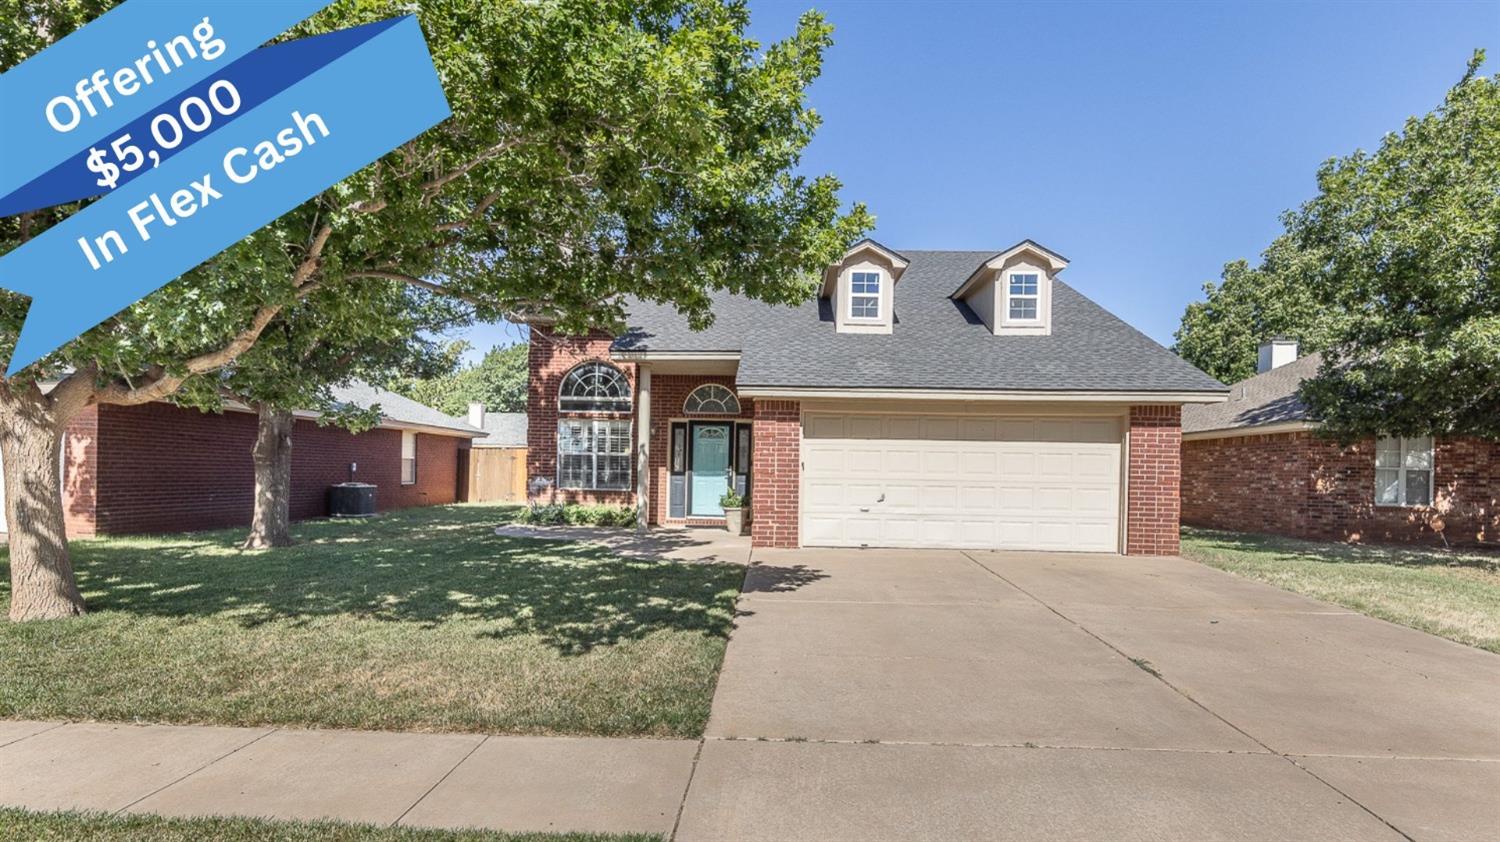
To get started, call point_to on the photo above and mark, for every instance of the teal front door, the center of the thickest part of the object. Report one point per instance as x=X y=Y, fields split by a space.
x=710 y=467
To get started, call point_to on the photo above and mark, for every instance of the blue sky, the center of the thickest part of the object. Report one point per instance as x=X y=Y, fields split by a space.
x=1150 y=143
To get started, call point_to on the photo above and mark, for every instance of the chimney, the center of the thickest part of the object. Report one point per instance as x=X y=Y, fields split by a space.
x=1275 y=353
x=476 y=414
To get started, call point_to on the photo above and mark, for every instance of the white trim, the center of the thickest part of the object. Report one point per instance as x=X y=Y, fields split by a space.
x=1262 y=430
x=1403 y=448
x=650 y=356
x=803 y=392
x=878 y=295
x=643 y=448
x=1038 y=298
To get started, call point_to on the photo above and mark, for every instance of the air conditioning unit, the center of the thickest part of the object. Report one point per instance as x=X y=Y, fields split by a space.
x=351 y=499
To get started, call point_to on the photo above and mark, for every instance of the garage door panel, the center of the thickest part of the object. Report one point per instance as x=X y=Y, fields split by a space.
x=901 y=462
x=979 y=463
x=979 y=498
x=1003 y=482
x=1017 y=465
x=940 y=429
x=939 y=463
x=823 y=427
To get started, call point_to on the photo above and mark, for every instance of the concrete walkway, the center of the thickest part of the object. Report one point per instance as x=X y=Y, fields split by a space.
x=898 y=695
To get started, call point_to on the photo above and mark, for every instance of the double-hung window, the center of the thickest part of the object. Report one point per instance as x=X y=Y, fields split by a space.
x=864 y=295
x=408 y=458
x=1403 y=472
x=1023 y=297
x=593 y=454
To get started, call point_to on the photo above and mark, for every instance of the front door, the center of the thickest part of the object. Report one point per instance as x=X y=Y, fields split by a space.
x=710 y=469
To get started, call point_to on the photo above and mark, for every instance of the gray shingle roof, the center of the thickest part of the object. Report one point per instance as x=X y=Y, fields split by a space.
x=1269 y=398
x=938 y=343
x=398 y=410
x=503 y=429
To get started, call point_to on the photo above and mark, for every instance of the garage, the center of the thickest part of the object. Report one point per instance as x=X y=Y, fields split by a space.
x=1001 y=482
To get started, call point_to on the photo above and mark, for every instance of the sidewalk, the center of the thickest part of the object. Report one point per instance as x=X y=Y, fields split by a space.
x=428 y=780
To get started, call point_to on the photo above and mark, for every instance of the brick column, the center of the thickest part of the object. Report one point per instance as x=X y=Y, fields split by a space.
x=776 y=474
x=1153 y=507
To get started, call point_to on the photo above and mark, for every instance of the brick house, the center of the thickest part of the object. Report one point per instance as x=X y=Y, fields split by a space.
x=924 y=399
x=1256 y=463
x=161 y=468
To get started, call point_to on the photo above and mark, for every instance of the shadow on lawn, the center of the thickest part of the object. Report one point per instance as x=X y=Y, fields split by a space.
x=429 y=567
x=1340 y=553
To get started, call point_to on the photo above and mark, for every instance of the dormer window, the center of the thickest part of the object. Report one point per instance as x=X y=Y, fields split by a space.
x=1024 y=297
x=1012 y=291
x=864 y=295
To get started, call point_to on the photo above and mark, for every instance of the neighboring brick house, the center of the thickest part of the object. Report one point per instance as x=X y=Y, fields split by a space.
x=161 y=468
x=925 y=399
x=1256 y=463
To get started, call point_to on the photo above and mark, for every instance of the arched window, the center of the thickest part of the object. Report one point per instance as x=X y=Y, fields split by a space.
x=594 y=387
x=712 y=399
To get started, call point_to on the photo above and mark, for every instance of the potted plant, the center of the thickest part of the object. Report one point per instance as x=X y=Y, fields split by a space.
x=735 y=509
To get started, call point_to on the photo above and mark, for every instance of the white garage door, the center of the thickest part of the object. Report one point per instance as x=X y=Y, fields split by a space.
x=946 y=481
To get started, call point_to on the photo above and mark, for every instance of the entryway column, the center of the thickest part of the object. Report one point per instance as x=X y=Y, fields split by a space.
x=643 y=449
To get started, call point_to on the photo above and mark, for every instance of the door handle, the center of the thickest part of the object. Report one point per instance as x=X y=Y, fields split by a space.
x=881 y=498
x=864 y=508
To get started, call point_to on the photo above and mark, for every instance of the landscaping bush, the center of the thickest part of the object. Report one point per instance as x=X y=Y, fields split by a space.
x=558 y=514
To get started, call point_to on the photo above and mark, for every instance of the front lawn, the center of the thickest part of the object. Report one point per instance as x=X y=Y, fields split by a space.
x=97 y=827
x=1450 y=594
x=418 y=620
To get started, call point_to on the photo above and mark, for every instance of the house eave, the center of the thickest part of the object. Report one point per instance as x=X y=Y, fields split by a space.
x=1260 y=430
x=1029 y=395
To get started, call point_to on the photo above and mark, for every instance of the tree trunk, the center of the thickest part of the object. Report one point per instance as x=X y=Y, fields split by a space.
x=42 y=586
x=271 y=525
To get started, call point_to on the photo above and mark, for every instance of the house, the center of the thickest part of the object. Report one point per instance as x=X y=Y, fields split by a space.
x=921 y=399
x=495 y=468
x=163 y=468
x=1256 y=463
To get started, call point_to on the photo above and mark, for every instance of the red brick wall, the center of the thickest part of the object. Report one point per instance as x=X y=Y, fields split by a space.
x=1155 y=478
x=165 y=469
x=1320 y=490
x=550 y=359
x=80 y=473
x=775 y=474
x=668 y=394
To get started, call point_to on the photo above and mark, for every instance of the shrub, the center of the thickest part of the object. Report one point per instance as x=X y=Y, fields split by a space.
x=732 y=500
x=557 y=514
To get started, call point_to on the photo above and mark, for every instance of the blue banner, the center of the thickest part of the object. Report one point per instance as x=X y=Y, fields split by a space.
x=308 y=114
x=120 y=67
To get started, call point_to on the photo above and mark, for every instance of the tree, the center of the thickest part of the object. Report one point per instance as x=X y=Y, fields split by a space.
x=596 y=149
x=1408 y=239
x=309 y=349
x=1389 y=271
x=1222 y=333
x=499 y=382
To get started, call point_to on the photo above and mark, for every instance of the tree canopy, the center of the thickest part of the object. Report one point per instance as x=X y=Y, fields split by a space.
x=597 y=148
x=499 y=381
x=1390 y=272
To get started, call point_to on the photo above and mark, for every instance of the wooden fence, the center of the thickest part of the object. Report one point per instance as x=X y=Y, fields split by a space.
x=495 y=475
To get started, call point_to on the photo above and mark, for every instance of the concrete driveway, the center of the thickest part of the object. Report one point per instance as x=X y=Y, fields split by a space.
x=887 y=694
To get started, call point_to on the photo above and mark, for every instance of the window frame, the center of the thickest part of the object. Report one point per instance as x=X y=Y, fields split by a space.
x=1404 y=447
x=866 y=296
x=411 y=436
x=622 y=404
x=1034 y=297
x=595 y=455
x=730 y=408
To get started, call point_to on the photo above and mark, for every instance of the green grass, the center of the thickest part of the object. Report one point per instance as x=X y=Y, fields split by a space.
x=97 y=827
x=1450 y=594
x=421 y=620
